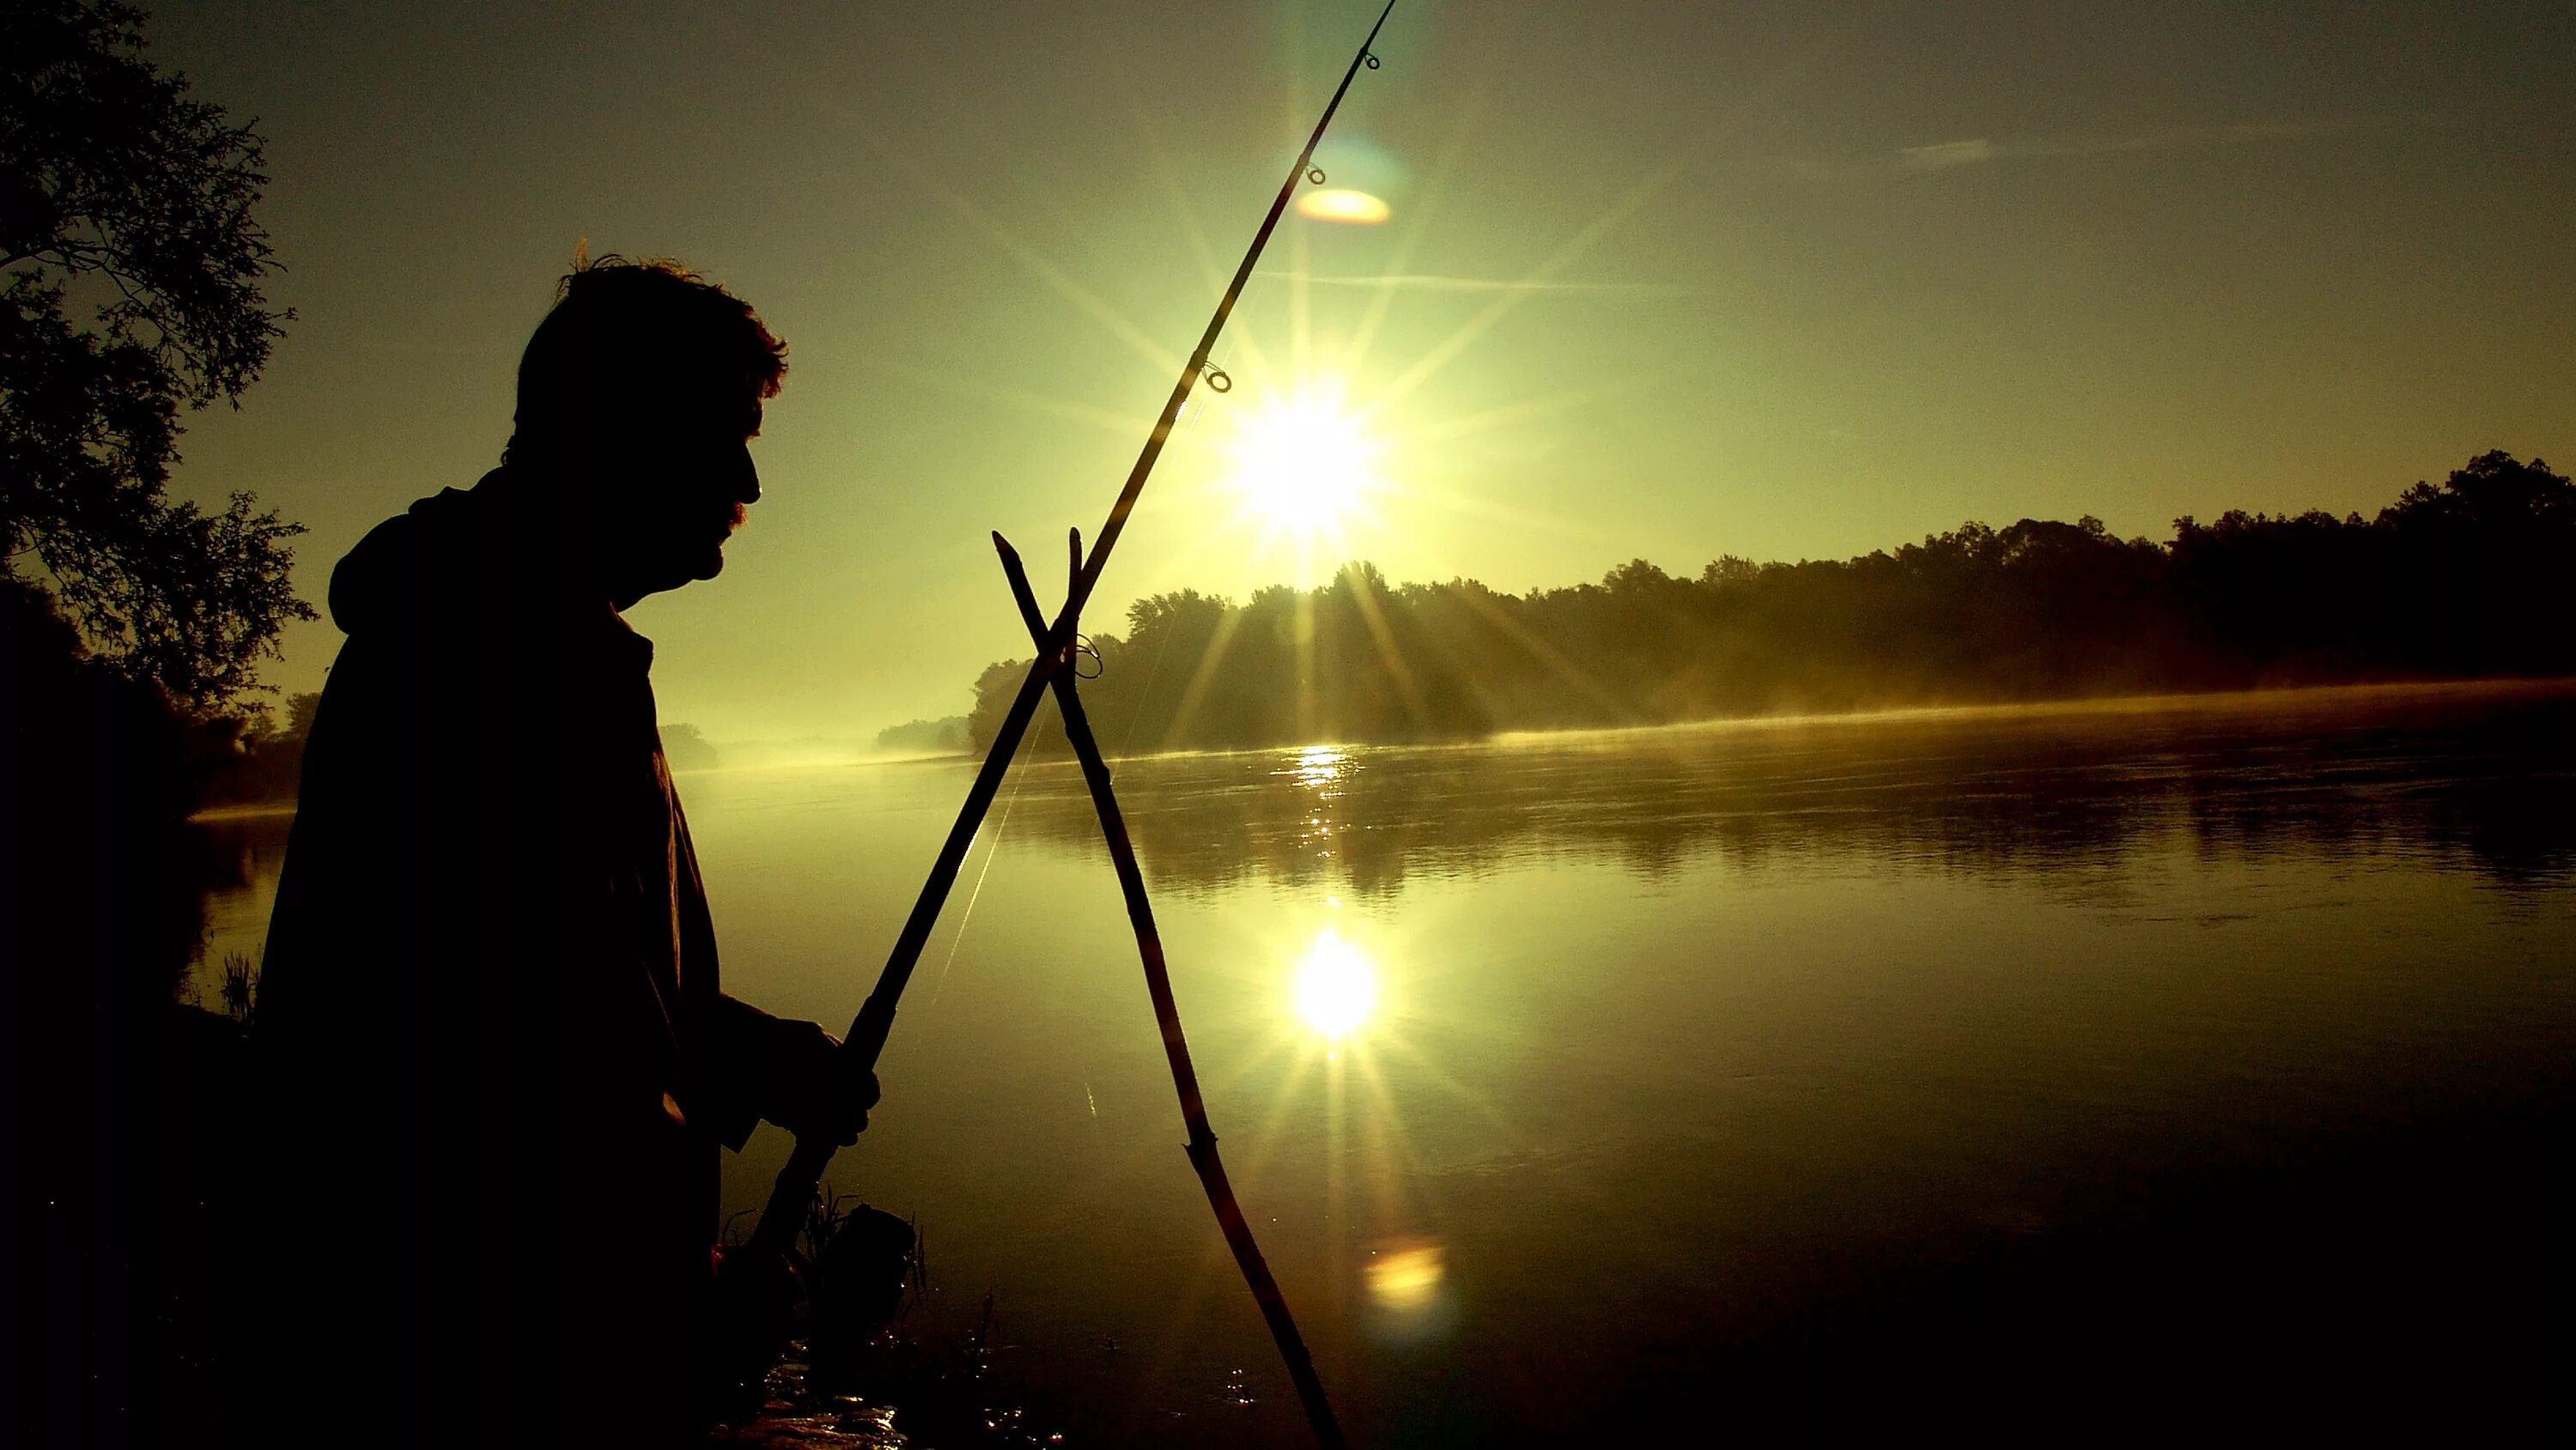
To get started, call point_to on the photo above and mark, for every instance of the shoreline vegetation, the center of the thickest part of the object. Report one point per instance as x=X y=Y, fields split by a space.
x=2452 y=581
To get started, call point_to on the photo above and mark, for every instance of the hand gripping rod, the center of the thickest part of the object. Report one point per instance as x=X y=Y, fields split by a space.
x=785 y=1211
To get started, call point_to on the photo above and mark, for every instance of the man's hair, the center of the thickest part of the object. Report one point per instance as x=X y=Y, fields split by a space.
x=627 y=336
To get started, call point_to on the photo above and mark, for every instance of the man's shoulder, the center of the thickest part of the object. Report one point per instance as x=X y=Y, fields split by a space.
x=452 y=561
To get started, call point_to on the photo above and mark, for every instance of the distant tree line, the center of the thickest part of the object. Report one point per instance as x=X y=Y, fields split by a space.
x=943 y=736
x=252 y=756
x=2465 y=578
x=685 y=747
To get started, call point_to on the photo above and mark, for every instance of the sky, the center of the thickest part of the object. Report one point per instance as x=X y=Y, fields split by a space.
x=1660 y=280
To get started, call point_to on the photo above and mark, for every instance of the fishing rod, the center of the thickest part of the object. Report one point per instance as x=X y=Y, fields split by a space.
x=866 y=1038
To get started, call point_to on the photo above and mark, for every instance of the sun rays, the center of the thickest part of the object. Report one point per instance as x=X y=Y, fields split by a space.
x=1344 y=1074
x=1335 y=444
x=1325 y=451
x=1332 y=445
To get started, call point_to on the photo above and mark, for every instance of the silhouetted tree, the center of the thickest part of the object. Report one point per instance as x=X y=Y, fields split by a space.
x=121 y=197
x=2484 y=559
x=2495 y=491
x=130 y=626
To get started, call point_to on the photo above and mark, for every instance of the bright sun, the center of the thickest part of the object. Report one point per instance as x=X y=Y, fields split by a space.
x=1302 y=464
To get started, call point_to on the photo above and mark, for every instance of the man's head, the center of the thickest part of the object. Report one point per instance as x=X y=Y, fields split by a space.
x=638 y=396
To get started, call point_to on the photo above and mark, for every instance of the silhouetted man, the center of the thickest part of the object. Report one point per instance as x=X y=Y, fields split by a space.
x=500 y=1061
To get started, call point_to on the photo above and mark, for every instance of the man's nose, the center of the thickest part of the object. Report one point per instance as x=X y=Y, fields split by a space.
x=746 y=479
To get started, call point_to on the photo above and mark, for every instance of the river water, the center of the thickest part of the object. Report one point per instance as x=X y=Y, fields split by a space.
x=1553 y=1071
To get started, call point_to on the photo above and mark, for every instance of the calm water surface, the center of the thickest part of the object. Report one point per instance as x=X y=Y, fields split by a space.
x=1647 y=1039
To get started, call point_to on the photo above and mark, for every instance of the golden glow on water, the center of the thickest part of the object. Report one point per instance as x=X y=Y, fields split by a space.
x=1343 y=204
x=1405 y=1278
x=1301 y=463
x=1887 y=933
x=1335 y=988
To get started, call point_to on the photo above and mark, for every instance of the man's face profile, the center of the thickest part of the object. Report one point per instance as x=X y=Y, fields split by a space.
x=679 y=480
x=639 y=395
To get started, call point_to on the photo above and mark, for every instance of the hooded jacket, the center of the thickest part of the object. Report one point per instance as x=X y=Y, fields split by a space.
x=500 y=1062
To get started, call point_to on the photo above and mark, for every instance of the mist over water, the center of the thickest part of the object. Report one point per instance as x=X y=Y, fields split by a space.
x=1553 y=1071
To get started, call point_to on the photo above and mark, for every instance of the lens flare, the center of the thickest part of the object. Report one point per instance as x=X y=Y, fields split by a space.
x=1341 y=204
x=1335 y=989
x=1405 y=1278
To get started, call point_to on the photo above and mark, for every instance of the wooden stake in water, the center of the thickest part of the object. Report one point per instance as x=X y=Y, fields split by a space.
x=1201 y=1146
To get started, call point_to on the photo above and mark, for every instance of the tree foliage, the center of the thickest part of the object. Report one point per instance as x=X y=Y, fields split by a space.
x=133 y=284
x=2461 y=578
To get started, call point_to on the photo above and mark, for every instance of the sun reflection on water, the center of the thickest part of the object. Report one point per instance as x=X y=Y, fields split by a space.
x=1334 y=988
x=1322 y=769
x=1319 y=768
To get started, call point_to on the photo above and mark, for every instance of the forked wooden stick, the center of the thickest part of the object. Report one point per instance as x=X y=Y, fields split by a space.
x=1167 y=1014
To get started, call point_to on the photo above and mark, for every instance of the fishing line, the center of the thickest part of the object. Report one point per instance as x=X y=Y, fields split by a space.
x=1180 y=421
x=1137 y=716
x=977 y=894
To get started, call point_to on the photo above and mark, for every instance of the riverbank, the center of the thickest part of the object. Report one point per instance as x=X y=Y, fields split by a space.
x=149 y=1294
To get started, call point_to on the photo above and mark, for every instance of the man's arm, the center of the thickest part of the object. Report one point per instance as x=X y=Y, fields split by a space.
x=783 y=1071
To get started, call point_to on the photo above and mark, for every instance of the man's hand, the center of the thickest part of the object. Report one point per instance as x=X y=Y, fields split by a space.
x=803 y=1088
